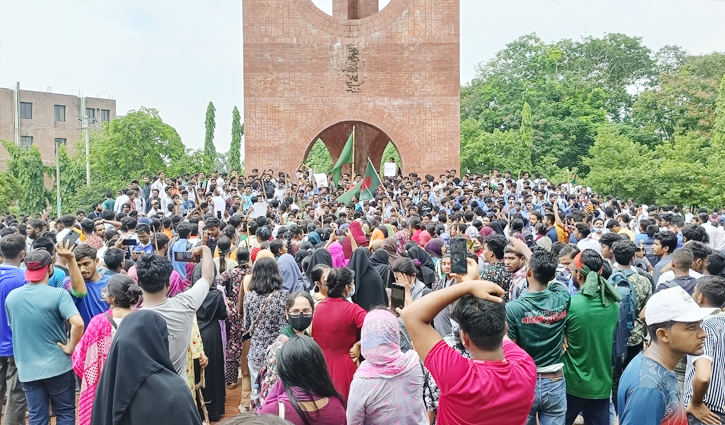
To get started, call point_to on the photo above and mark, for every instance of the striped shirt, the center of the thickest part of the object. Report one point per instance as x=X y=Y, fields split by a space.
x=714 y=351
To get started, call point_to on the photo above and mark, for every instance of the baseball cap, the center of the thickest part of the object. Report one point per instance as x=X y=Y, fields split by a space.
x=36 y=265
x=676 y=305
x=145 y=220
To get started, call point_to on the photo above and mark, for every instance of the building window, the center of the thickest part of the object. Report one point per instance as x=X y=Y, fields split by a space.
x=60 y=113
x=91 y=114
x=26 y=111
x=105 y=115
x=26 y=142
x=60 y=141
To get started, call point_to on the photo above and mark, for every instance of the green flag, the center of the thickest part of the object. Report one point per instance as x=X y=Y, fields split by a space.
x=370 y=183
x=353 y=191
x=345 y=158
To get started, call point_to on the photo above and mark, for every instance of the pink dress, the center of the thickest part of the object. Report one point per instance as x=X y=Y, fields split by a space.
x=88 y=360
x=334 y=328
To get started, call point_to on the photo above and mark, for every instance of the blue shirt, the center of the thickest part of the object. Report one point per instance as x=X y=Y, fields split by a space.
x=37 y=315
x=92 y=303
x=11 y=277
x=146 y=249
x=552 y=234
x=649 y=395
x=58 y=278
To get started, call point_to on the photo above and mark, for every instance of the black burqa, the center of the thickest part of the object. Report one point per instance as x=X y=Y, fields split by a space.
x=319 y=256
x=139 y=385
x=369 y=287
x=380 y=261
x=426 y=264
x=212 y=310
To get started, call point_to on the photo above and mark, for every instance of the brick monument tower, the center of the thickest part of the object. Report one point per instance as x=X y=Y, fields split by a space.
x=392 y=74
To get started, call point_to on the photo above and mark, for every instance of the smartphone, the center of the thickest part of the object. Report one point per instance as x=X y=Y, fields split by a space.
x=340 y=232
x=185 y=257
x=71 y=237
x=129 y=242
x=397 y=296
x=219 y=215
x=459 y=252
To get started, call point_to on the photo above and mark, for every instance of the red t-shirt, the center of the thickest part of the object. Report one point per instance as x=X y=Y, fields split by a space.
x=480 y=393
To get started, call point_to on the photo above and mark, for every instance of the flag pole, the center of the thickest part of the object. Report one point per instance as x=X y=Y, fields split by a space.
x=384 y=187
x=352 y=174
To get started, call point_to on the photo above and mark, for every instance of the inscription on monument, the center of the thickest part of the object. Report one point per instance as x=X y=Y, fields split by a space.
x=353 y=82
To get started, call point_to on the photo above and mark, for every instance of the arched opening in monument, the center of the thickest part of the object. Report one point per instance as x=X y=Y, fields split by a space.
x=370 y=142
x=351 y=9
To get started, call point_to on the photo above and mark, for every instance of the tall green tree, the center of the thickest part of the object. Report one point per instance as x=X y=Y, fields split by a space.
x=319 y=158
x=619 y=166
x=235 y=149
x=526 y=138
x=572 y=86
x=26 y=166
x=716 y=154
x=136 y=144
x=9 y=190
x=209 y=149
x=191 y=162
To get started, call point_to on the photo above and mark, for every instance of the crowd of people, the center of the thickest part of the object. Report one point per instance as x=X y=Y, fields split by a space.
x=167 y=296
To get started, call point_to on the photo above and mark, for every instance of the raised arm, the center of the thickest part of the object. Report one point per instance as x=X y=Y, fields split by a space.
x=207 y=262
x=419 y=315
x=520 y=247
x=77 y=284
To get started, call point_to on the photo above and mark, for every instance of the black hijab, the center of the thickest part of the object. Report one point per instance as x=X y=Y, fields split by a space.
x=384 y=230
x=369 y=287
x=319 y=256
x=380 y=261
x=212 y=309
x=304 y=251
x=498 y=227
x=426 y=264
x=139 y=383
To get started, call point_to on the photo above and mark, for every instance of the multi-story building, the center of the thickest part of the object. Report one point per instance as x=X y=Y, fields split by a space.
x=44 y=119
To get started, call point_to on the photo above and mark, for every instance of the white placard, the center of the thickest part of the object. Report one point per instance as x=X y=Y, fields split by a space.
x=321 y=180
x=258 y=210
x=391 y=169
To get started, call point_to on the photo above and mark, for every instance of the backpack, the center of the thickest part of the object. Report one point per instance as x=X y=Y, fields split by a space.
x=627 y=313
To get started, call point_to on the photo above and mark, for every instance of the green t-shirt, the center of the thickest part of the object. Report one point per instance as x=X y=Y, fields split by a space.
x=536 y=322
x=108 y=204
x=588 y=358
x=37 y=315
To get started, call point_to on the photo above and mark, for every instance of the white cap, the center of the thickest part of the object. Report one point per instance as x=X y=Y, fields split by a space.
x=676 y=305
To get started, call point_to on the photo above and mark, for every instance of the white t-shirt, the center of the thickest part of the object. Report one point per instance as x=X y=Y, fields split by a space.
x=670 y=275
x=219 y=204
x=589 y=243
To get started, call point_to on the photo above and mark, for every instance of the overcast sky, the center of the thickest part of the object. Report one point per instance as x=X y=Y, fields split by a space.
x=178 y=55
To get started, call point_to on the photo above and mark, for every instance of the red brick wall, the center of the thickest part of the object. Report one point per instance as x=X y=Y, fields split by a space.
x=396 y=70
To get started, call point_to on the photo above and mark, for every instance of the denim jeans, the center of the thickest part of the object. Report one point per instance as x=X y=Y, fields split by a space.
x=61 y=390
x=550 y=402
x=254 y=372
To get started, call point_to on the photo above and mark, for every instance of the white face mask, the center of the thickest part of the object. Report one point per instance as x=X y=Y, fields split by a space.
x=351 y=292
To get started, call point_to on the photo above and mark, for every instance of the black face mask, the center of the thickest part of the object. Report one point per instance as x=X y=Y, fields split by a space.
x=300 y=323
